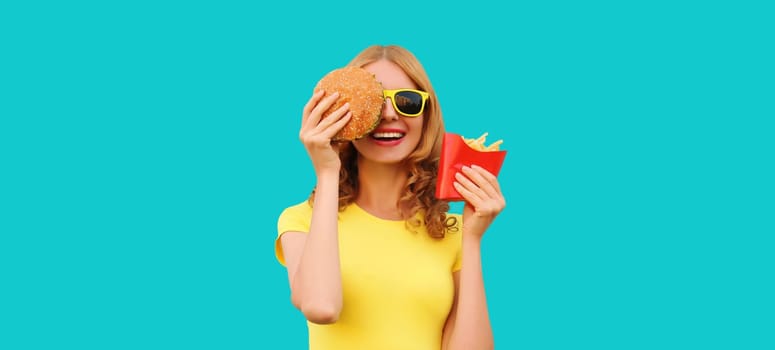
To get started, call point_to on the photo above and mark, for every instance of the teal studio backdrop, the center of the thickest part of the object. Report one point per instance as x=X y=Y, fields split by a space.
x=147 y=148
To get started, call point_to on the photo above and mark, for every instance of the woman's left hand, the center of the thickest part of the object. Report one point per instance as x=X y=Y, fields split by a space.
x=484 y=200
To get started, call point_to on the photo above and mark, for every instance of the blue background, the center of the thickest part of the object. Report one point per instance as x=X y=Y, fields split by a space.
x=148 y=147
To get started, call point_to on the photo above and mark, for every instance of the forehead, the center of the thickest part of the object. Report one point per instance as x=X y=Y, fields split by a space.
x=390 y=75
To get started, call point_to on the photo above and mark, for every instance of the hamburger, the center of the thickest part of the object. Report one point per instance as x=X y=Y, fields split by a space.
x=361 y=89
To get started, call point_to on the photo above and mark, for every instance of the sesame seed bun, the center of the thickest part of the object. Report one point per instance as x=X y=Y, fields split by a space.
x=364 y=93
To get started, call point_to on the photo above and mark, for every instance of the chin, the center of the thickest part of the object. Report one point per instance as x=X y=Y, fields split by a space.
x=380 y=156
x=387 y=159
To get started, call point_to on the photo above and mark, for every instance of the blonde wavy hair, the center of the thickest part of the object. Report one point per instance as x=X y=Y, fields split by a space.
x=423 y=162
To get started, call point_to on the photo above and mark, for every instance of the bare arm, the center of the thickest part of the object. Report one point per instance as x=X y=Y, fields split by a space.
x=452 y=318
x=312 y=259
x=468 y=326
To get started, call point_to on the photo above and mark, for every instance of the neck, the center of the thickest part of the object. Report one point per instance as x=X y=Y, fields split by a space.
x=379 y=195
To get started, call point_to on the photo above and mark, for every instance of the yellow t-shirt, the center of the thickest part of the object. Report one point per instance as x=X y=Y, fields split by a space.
x=397 y=284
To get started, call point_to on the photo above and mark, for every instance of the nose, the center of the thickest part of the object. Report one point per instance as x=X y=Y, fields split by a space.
x=388 y=112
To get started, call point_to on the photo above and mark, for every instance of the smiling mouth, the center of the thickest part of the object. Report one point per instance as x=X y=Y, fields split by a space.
x=387 y=136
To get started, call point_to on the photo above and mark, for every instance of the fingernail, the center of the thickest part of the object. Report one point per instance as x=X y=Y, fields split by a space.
x=466 y=168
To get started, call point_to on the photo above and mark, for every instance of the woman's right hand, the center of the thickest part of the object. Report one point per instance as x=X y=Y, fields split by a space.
x=316 y=134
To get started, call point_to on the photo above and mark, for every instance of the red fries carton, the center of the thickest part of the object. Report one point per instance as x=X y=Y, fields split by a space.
x=455 y=154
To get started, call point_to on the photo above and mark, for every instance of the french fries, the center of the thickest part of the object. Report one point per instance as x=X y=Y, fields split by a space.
x=478 y=144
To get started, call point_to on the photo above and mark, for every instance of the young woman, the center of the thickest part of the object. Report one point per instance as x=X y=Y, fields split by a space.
x=373 y=259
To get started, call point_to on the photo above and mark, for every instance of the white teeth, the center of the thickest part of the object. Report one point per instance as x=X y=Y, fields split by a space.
x=387 y=135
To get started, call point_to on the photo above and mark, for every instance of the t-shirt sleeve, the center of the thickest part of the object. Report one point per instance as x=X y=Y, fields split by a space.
x=458 y=261
x=295 y=218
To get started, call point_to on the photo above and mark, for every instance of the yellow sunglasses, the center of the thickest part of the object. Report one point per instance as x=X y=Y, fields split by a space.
x=407 y=102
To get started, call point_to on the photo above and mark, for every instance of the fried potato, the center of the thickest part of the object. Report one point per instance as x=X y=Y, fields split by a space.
x=479 y=143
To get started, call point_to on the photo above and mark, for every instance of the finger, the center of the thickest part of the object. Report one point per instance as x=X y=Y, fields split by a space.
x=489 y=176
x=335 y=127
x=492 y=187
x=311 y=104
x=479 y=180
x=481 y=206
x=483 y=179
x=317 y=112
x=471 y=199
x=470 y=192
x=333 y=118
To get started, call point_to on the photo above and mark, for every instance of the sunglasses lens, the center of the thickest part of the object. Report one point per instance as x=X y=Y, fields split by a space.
x=408 y=102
